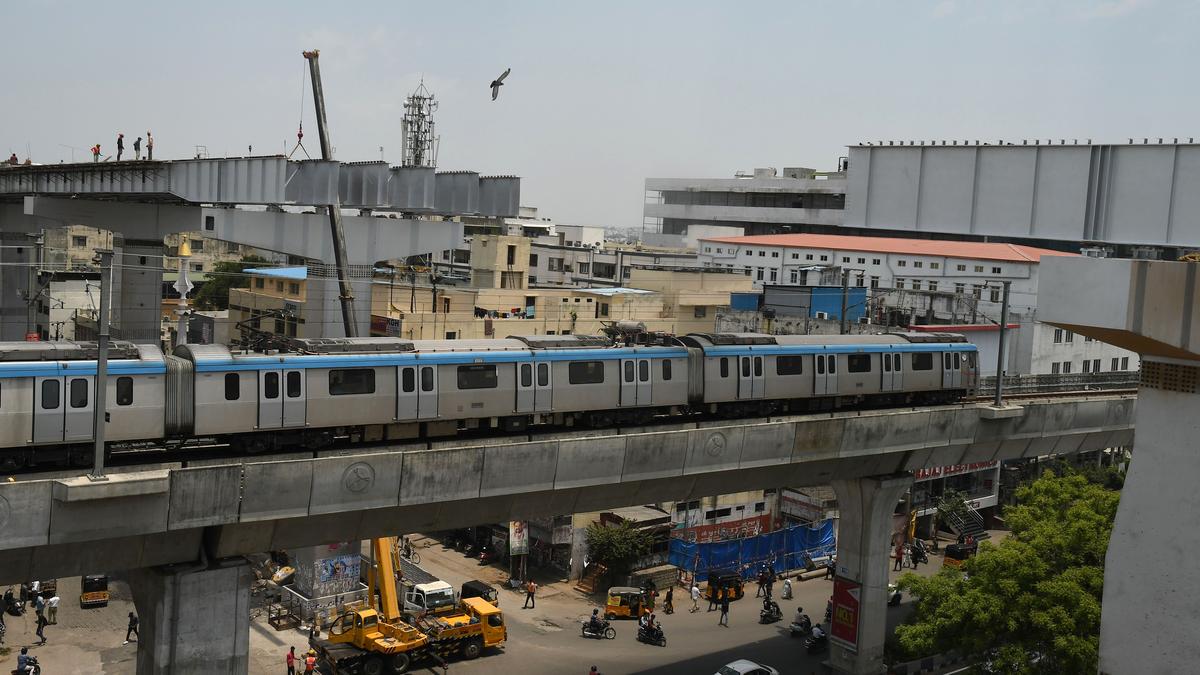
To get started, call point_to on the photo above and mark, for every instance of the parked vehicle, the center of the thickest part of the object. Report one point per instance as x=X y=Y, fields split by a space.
x=746 y=667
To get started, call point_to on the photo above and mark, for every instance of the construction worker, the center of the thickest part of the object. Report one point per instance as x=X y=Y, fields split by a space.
x=149 y=146
x=310 y=662
x=96 y=152
x=120 y=145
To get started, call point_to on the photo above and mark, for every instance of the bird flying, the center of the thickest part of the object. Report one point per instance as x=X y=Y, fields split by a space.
x=499 y=82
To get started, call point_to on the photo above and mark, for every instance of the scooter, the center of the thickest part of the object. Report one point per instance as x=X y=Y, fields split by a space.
x=652 y=635
x=487 y=555
x=32 y=667
x=770 y=613
x=919 y=554
x=815 y=645
x=802 y=626
x=604 y=632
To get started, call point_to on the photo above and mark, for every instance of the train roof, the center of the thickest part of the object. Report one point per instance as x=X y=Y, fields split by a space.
x=743 y=339
x=475 y=345
x=75 y=351
x=563 y=341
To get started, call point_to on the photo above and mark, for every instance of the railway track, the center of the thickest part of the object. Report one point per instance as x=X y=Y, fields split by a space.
x=149 y=456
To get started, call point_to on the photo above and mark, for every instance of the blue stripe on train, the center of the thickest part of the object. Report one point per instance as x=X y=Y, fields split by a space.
x=434 y=358
x=67 y=368
x=743 y=350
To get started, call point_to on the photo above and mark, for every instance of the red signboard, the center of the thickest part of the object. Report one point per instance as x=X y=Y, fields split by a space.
x=844 y=623
x=33 y=336
x=952 y=470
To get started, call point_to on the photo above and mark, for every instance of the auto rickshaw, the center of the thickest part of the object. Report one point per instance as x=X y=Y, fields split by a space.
x=627 y=601
x=479 y=589
x=956 y=554
x=724 y=583
x=93 y=591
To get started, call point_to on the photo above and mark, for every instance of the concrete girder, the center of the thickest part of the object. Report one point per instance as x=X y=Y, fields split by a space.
x=240 y=510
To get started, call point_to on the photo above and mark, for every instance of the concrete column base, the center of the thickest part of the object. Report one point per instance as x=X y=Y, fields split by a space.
x=866 y=506
x=193 y=622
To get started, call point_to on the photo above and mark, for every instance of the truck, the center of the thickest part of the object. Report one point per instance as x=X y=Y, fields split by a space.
x=376 y=641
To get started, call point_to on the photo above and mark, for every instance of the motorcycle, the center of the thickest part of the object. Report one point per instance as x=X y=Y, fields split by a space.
x=801 y=626
x=652 y=635
x=770 y=613
x=815 y=645
x=918 y=552
x=487 y=555
x=893 y=596
x=603 y=632
x=32 y=667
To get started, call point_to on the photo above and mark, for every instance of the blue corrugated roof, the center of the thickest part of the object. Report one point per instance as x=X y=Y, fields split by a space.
x=293 y=273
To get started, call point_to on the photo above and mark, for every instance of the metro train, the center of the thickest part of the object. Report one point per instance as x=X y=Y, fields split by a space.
x=314 y=392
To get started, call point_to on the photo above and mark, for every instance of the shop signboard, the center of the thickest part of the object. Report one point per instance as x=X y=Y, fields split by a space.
x=844 y=622
x=518 y=537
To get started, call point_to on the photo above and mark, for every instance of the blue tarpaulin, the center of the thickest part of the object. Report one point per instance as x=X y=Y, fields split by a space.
x=782 y=550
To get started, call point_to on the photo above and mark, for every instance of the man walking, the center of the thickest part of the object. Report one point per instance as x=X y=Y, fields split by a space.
x=530 y=589
x=714 y=597
x=290 y=659
x=52 y=609
x=899 y=555
x=132 y=629
x=149 y=146
x=724 y=620
x=695 y=598
x=669 y=601
x=137 y=148
x=120 y=145
x=41 y=626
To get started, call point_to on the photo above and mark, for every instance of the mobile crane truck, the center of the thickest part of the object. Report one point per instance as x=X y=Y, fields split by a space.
x=374 y=640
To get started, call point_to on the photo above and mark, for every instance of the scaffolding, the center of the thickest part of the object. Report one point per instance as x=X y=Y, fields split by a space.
x=420 y=142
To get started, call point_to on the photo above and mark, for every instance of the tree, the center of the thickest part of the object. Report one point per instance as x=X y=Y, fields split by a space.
x=950 y=506
x=1032 y=603
x=618 y=546
x=214 y=293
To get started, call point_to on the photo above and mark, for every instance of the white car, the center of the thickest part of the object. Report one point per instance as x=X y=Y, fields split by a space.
x=746 y=667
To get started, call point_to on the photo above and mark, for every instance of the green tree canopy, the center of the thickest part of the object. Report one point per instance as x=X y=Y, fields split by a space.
x=1032 y=603
x=617 y=546
x=214 y=293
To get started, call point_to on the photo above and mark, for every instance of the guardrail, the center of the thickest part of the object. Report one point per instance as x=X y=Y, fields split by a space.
x=1033 y=384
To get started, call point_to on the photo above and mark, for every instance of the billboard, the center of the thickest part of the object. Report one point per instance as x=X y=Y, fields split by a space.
x=518 y=537
x=844 y=623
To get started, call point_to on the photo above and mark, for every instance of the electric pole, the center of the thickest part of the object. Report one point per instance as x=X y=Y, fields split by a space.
x=1003 y=334
x=104 y=258
x=845 y=299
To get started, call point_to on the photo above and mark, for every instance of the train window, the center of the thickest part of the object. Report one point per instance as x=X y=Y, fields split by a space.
x=271 y=385
x=233 y=386
x=896 y=362
x=833 y=364
x=946 y=360
x=957 y=360
x=666 y=369
x=821 y=364
x=644 y=370
x=543 y=374
x=629 y=371
x=724 y=366
x=351 y=381
x=922 y=361
x=526 y=375
x=790 y=365
x=745 y=366
x=887 y=363
x=477 y=377
x=758 y=368
x=589 y=372
x=858 y=363
x=971 y=356
x=427 y=378
x=2 y=386
x=124 y=391
x=293 y=384
x=408 y=380
x=50 y=395
x=77 y=393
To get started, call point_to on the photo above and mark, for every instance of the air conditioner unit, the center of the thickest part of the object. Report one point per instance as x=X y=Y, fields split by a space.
x=864 y=320
x=821 y=315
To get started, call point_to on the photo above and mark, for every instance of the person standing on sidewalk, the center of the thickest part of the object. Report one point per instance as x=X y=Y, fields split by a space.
x=695 y=598
x=290 y=659
x=669 y=601
x=530 y=589
x=899 y=556
x=52 y=609
x=724 y=620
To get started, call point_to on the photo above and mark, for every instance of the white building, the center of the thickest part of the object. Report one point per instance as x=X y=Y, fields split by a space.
x=931 y=282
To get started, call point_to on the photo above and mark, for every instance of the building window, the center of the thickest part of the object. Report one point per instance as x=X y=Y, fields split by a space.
x=862 y=261
x=824 y=258
x=994 y=296
x=585 y=372
x=934 y=266
x=279 y=286
x=533 y=260
x=808 y=256
x=477 y=377
x=79 y=242
x=1055 y=368
x=718 y=249
x=789 y=365
x=845 y=259
x=584 y=268
x=960 y=268
x=1066 y=368
x=1058 y=336
x=858 y=363
x=294 y=288
x=774 y=254
x=995 y=270
x=1124 y=363
x=874 y=282
x=1087 y=366
x=708 y=249
x=258 y=283
x=977 y=291
x=1114 y=363
x=959 y=289
x=933 y=285
x=351 y=381
x=773 y=273
x=860 y=281
x=979 y=269
x=760 y=274
x=749 y=253
x=762 y=254
x=901 y=263
x=666 y=369
x=233 y=387
x=1069 y=336
x=899 y=283
x=922 y=361
x=793 y=276
x=701 y=312
x=874 y=261
x=918 y=263
x=795 y=256
x=604 y=309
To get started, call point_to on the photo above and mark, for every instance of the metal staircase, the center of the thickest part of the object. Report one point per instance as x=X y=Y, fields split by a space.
x=971 y=524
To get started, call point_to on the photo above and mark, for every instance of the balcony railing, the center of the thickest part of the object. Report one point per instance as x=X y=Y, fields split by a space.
x=1034 y=384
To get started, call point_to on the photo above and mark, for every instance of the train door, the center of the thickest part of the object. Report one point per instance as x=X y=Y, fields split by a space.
x=893 y=379
x=270 y=399
x=951 y=370
x=294 y=398
x=526 y=393
x=80 y=417
x=897 y=372
x=543 y=389
x=635 y=382
x=751 y=380
x=48 y=410
x=644 y=391
x=427 y=393
x=406 y=393
x=825 y=375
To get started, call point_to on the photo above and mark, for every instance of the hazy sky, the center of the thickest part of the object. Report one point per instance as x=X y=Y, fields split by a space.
x=602 y=94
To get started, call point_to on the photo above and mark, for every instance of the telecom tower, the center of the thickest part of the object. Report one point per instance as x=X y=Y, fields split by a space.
x=420 y=143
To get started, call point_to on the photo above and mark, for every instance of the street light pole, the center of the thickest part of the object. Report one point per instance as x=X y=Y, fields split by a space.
x=845 y=300
x=1003 y=335
x=104 y=257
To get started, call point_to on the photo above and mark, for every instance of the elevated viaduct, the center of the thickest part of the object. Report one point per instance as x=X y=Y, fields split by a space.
x=176 y=530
